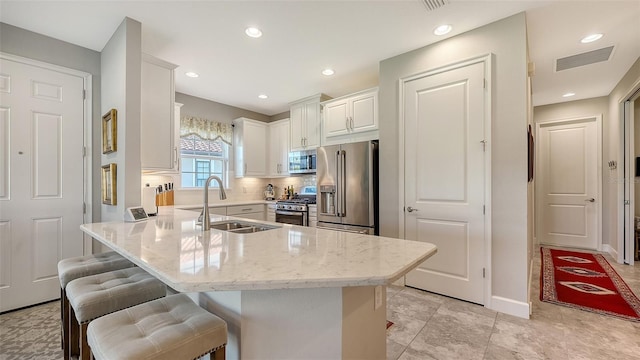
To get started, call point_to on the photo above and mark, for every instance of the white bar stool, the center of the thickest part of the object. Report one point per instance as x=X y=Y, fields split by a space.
x=81 y=266
x=93 y=296
x=170 y=328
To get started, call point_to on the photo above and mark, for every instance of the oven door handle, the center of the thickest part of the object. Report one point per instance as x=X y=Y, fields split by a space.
x=295 y=213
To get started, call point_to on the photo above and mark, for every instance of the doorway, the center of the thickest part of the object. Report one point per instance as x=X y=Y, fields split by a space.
x=445 y=116
x=628 y=247
x=44 y=176
x=568 y=187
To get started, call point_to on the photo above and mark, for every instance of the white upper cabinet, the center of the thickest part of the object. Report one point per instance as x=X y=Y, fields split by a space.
x=306 y=123
x=250 y=147
x=158 y=147
x=279 y=148
x=351 y=118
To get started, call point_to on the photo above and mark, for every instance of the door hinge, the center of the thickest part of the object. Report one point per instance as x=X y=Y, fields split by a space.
x=484 y=83
x=483 y=209
x=84 y=208
x=627 y=202
x=484 y=273
x=84 y=151
x=84 y=94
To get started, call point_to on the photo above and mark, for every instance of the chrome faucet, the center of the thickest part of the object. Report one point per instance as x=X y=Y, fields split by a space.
x=204 y=215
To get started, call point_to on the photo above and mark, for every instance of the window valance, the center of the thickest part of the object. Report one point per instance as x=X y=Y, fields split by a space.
x=206 y=129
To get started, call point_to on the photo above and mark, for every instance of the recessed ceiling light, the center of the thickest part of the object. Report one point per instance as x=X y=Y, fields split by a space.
x=328 y=72
x=253 y=32
x=569 y=94
x=442 y=29
x=262 y=96
x=191 y=74
x=591 y=38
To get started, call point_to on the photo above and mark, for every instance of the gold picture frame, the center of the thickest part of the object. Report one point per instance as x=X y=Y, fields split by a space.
x=110 y=131
x=109 y=184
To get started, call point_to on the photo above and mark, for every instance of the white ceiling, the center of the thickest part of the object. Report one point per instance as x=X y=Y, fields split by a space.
x=303 y=37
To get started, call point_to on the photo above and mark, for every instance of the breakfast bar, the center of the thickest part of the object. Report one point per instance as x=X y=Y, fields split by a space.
x=288 y=292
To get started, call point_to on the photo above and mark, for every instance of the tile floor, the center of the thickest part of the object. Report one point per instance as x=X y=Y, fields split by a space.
x=426 y=326
x=429 y=326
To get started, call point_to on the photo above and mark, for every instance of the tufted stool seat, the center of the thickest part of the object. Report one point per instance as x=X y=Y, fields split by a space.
x=93 y=296
x=81 y=266
x=170 y=328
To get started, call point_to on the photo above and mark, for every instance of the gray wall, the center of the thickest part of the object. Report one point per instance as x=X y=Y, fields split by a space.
x=121 y=61
x=21 y=42
x=215 y=111
x=575 y=109
x=612 y=147
x=282 y=115
x=506 y=39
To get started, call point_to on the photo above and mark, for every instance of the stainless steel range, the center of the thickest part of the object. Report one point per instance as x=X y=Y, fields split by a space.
x=295 y=211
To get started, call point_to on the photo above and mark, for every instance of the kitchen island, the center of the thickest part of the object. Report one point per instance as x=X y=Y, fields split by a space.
x=287 y=293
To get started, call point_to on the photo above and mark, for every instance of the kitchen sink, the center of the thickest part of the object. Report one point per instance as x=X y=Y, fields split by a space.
x=241 y=227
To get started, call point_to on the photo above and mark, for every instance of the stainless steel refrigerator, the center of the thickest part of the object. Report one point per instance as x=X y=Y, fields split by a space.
x=347 y=178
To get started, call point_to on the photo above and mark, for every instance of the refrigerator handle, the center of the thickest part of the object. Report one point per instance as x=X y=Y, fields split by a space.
x=343 y=187
x=338 y=185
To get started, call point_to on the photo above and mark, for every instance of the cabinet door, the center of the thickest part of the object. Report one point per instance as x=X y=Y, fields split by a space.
x=157 y=147
x=279 y=148
x=336 y=118
x=297 y=127
x=283 y=130
x=274 y=150
x=364 y=112
x=255 y=146
x=312 y=122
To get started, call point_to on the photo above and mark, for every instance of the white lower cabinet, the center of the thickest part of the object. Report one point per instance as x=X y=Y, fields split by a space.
x=313 y=215
x=271 y=212
x=254 y=211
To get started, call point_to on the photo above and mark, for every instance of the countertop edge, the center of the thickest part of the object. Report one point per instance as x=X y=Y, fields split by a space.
x=223 y=204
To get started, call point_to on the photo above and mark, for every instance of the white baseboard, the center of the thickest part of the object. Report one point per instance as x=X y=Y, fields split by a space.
x=510 y=306
x=609 y=250
x=530 y=281
x=400 y=282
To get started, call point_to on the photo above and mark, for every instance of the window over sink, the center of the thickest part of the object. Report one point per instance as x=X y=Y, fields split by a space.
x=201 y=158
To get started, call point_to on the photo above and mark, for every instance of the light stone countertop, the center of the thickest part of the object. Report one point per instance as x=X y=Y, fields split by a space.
x=173 y=248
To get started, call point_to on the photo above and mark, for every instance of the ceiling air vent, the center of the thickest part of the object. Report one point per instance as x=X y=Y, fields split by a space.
x=434 y=4
x=590 y=57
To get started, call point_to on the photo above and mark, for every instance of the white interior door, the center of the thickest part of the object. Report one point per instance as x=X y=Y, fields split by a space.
x=41 y=180
x=567 y=188
x=444 y=117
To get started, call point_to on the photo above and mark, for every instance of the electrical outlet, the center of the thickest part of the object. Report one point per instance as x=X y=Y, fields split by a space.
x=377 y=297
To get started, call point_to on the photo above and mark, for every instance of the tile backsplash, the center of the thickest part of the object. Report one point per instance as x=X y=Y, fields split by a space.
x=241 y=189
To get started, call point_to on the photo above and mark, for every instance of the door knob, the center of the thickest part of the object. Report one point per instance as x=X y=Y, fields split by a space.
x=410 y=209
x=590 y=200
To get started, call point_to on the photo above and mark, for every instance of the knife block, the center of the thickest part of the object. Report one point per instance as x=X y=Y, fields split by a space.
x=164 y=198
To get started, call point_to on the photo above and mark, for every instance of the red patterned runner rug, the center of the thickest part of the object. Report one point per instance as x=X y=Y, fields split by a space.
x=586 y=281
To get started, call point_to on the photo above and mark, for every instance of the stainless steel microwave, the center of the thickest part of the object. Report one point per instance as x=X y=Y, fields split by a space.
x=302 y=162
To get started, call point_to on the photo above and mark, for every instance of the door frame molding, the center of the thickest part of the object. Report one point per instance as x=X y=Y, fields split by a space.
x=87 y=133
x=627 y=153
x=598 y=119
x=487 y=60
